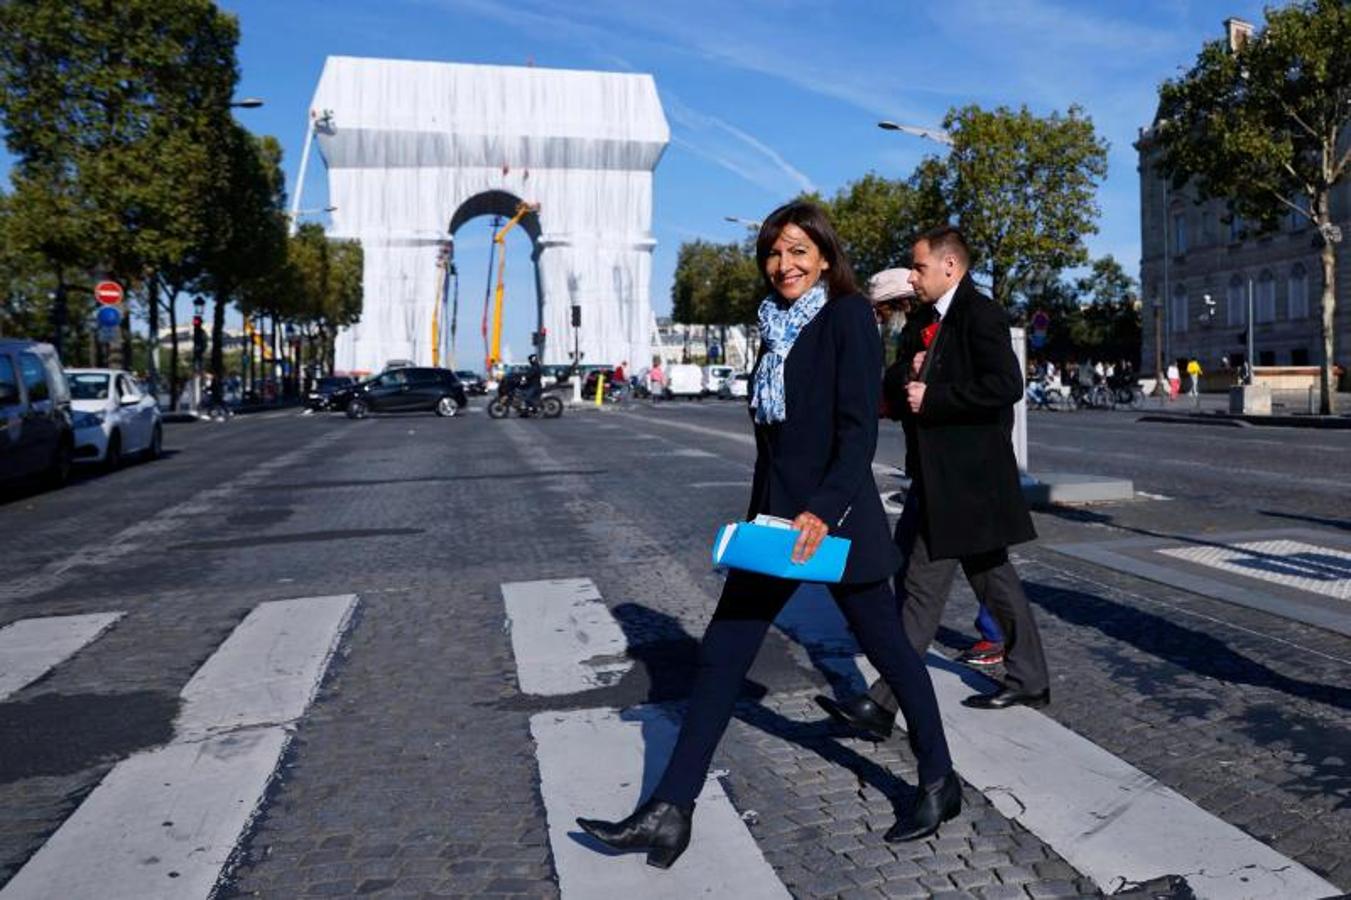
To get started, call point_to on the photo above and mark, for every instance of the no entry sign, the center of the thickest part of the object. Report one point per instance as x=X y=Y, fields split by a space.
x=109 y=293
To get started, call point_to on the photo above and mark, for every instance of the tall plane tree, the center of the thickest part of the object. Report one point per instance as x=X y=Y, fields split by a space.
x=1258 y=123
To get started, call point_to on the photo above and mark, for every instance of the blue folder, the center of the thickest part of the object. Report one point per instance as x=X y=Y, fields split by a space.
x=768 y=550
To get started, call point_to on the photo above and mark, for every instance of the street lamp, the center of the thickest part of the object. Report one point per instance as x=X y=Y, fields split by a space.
x=937 y=135
x=247 y=103
x=749 y=223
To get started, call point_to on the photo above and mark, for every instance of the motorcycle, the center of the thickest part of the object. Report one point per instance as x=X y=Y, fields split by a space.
x=511 y=394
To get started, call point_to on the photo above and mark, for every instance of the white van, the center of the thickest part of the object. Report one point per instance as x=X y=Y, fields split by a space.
x=684 y=380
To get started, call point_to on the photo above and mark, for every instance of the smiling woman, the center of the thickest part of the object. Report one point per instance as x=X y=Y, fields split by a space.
x=817 y=388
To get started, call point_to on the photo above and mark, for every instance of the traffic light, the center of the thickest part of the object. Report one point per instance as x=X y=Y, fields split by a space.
x=198 y=339
x=576 y=316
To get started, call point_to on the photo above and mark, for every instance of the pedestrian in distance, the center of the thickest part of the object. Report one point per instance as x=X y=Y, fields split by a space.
x=814 y=403
x=965 y=504
x=1194 y=379
x=1174 y=381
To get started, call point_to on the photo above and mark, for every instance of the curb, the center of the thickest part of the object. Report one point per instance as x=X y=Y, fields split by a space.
x=1232 y=420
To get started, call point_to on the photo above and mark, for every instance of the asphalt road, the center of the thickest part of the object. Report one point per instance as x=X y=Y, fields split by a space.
x=414 y=771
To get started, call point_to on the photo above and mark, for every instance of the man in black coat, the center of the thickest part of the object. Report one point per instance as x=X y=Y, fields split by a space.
x=954 y=388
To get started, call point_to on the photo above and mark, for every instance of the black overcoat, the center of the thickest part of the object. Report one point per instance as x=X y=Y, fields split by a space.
x=959 y=448
x=819 y=459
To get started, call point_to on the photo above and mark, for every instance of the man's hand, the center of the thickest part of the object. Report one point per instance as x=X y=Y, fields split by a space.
x=917 y=363
x=811 y=531
x=914 y=393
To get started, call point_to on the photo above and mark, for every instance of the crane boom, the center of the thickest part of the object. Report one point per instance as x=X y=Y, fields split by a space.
x=522 y=210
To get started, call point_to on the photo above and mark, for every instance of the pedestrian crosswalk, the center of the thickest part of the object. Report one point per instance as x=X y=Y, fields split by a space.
x=167 y=822
x=1112 y=822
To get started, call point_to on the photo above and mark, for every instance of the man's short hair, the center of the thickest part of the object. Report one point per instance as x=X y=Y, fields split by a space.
x=948 y=239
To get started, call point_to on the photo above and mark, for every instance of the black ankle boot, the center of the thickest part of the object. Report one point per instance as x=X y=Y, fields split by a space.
x=932 y=808
x=660 y=828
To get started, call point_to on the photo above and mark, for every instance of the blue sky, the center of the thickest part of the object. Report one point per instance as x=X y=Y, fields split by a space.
x=764 y=97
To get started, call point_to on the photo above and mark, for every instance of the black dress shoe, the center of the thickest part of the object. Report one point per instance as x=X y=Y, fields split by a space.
x=932 y=808
x=1006 y=697
x=662 y=829
x=860 y=713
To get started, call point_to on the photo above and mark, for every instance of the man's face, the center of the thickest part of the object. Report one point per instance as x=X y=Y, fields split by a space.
x=932 y=274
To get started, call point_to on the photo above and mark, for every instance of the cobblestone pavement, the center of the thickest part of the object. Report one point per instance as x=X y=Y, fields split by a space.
x=414 y=775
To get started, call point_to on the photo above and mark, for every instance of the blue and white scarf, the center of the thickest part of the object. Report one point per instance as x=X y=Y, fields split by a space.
x=779 y=328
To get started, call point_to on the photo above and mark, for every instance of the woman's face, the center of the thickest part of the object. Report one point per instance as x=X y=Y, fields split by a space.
x=794 y=263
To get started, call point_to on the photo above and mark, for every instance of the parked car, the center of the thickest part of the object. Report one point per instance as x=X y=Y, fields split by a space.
x=37 y=434
x=399 y=364
x=114 y=416
x=715 y=376
x=473 y=382
x=684 y=380
x=413 y=389
x=736 y=386
x=320 y=397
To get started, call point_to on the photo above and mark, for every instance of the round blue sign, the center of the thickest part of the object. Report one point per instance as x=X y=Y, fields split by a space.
x=109 y=316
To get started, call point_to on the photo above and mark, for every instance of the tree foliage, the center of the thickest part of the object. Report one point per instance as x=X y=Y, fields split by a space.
x=1022 y=188
x=1260 y=127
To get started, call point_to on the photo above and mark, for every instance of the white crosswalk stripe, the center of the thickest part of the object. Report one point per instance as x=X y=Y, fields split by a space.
x=563 y=636
x=165 y=822
x=31 y=647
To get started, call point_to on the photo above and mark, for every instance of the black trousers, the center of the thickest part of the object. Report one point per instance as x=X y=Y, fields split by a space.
x=922 y=587
x=749 y=603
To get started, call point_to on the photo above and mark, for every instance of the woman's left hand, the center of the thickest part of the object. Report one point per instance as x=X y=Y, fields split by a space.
x=811 y=531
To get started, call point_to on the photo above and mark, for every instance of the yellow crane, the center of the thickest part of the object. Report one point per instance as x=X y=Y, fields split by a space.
x=495 y=348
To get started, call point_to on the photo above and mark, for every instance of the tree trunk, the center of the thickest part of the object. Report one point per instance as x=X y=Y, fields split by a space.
x=175 y=386
x=1327 y=384
x=218 y=347
x=152 y=366
x=58 y=319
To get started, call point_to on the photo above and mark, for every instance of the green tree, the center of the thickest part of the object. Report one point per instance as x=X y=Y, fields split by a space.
x=1022 y=188
x=98 y=102
x=1260 y=126
x=877 y=220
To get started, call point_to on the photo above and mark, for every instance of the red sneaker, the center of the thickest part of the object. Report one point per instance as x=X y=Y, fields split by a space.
x=982 y=653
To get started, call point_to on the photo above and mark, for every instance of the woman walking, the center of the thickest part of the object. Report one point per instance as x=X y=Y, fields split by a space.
x=816 y=389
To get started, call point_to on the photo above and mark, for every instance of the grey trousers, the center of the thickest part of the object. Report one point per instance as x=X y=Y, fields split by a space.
x=922 y=587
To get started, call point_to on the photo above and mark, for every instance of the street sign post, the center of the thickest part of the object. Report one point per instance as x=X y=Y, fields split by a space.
x=108 y=293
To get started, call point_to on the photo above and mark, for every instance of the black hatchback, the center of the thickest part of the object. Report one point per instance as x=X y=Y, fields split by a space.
x=405 y=390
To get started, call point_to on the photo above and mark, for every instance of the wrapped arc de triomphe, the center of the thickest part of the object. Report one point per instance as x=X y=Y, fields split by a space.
x=416 y=149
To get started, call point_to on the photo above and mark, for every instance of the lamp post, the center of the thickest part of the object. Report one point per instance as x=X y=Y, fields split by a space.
x=319 y=121
x=752 y=224
x=247 y=103
x=1158 y=346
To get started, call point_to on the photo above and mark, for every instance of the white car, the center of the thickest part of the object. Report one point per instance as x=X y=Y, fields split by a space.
x=114 y=416
x=736 y=386
x=715 y=377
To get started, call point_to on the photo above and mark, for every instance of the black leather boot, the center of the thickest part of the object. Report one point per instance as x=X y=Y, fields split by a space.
x=660 y=828
x=932 y=808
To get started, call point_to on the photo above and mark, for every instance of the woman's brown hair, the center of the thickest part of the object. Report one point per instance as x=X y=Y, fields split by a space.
x=811 y=219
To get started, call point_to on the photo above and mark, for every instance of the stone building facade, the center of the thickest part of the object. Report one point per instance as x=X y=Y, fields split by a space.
x=1198 y=264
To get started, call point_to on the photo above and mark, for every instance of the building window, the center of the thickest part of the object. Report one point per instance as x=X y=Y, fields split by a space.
x=1265 y=301
x=1236 y=304
x=1235 y=228
x=1299 y=356
x=1179 y=314
x=1266 y=357
x=1179 y=233
x=1207 y=227
x=1297 y=305
x=1299 y=220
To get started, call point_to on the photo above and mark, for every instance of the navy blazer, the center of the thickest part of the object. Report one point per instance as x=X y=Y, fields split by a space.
x=819 y=459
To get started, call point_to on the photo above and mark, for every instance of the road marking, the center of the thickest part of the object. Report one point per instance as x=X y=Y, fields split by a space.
x=1146 y=495
x=743 y=483
x=1292 y=564
x=564 y=637
x=163 y=824
x=31 y=647
x=1109 y=820
x=601 y=763
x=267 y=670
